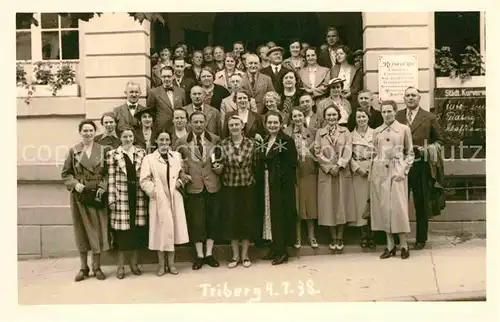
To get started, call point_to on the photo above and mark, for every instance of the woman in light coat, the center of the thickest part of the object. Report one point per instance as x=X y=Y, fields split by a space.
x=333 y=150
x=161 y=178
x=362 y=154
x=389 y=180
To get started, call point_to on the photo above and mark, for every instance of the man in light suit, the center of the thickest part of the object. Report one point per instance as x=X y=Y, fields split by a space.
x=256 y=83
x=164 y=99
x=426 y=135
x=202 y=207
x=125 y=113
x=212 y=115
x=276 y=70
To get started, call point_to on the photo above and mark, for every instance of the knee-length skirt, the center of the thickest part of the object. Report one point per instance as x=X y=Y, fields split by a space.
x=239 y=215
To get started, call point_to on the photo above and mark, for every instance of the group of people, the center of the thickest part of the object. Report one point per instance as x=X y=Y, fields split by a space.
x=248 y=160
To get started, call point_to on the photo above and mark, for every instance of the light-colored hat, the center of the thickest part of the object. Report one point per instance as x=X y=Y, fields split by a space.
x=336 y=80
x=273 y=49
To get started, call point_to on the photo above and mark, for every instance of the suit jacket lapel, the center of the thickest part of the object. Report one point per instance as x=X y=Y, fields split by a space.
x=208 y=113
x=320 y=76
x=250 y=120
x=417 y=120
x=192 y=146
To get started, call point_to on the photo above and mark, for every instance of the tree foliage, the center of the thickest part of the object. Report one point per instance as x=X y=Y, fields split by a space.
x=26 y=18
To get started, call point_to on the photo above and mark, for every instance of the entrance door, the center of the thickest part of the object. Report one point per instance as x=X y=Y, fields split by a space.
x=258 y=28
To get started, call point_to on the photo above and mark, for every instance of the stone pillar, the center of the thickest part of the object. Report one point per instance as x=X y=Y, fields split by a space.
x=401 y=33
x=116 y=50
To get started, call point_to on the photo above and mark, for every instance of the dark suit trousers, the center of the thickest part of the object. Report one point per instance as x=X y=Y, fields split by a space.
x=419 y=182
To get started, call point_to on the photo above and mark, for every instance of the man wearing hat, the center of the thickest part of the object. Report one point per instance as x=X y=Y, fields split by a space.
x=276 y=70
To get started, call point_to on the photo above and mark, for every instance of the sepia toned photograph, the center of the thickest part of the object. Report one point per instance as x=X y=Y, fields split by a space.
x=250 y=157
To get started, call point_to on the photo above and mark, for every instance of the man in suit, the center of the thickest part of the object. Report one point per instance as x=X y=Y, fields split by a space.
x=164 y=99
x=125 y=112
x=202 y=208
x=212 y=115
x=327 y=57
x=365 y=99
x=256 y=83
x=180 y=80
x=426 y=135
x=276 y=70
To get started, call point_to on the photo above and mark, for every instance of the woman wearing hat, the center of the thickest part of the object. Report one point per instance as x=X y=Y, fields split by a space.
x=314 y=77
x=127 y=202
x=295 y=61
x=353 y=77
x=335 y=86
x=145 y=132
x=333 y=150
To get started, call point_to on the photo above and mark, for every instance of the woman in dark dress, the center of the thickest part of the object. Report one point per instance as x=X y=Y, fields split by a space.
x=128 y=204
x=237 y=167
x=145 y=133
x=214 y=94
x=84 y=174
x=276 y=181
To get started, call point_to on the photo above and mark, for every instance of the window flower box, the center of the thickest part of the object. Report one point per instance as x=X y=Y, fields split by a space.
x=46 y=91
x=454 y=82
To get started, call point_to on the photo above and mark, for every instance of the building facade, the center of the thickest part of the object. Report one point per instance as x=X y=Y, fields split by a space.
x=114 y=48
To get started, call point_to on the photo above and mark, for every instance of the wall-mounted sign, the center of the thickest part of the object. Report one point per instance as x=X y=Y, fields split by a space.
x=462 y=115
x=395 y=74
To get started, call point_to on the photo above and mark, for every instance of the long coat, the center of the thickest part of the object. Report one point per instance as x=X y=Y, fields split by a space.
x=119 y=212
x=167 y=219
x=362 y=154
x=90 y=224
x=306 y=187
x=280 y=162
x=389 y=198
x=335 y=193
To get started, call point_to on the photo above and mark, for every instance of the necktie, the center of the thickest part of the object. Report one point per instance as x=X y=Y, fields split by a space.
x=276 y=69
x=197 y=108
x=198 y=144
x=410 y=116
x=252 y=80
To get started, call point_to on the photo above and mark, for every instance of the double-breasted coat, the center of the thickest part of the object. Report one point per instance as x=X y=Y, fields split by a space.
x=167 y=218
x=389 y=198
x=90 y=224
x=362 y=154
x=118 y=185
x=335 y=192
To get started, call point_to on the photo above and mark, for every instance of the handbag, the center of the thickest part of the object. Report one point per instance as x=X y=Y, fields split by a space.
x=90 y=199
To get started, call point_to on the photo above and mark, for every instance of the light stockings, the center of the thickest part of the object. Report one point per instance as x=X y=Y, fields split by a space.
x=403 y=241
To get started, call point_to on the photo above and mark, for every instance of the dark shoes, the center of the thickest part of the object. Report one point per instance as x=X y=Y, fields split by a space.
x=280 y=259
x=388 y=253
x=120 y=273
x=99 y=274
x=405 y=253
x=82 y=273
x=211 y=261
x=419 y=246
x=135 y=270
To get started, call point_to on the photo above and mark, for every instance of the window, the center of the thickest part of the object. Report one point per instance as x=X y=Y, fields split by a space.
x=460 y=188
x=460 y=29
x=55 y=38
